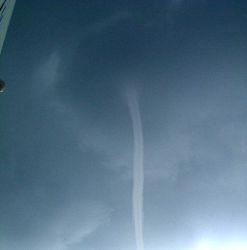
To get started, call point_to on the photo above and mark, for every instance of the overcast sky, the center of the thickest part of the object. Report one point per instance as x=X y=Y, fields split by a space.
x=66 y=139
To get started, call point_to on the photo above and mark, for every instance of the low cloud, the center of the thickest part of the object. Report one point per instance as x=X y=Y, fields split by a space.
x=46 y=76
x=51 y=207
x=109 y=22
x=200 y=136
x=74 y=225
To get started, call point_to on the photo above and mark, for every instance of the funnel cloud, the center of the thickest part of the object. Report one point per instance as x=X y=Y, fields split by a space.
x=138 y=168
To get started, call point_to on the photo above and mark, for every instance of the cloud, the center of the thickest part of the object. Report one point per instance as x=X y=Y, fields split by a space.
x=47 y=75
x=175 y=8
x=98 y=27
x=200 y=136
x=65 y=230
x=138 y=167
x=109 y=22
x=87 y=135
x=176 y=3
x=74 y=225
x=167 y=158
x=54 y=208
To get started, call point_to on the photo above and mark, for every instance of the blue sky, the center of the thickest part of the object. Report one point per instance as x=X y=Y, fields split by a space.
x=66 y=171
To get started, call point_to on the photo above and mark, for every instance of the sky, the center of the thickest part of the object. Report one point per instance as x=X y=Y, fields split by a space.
x=68 y=137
